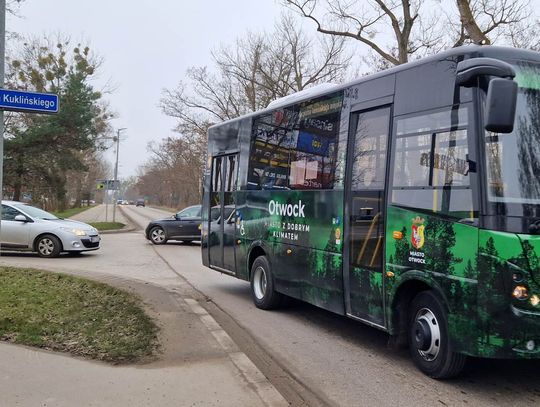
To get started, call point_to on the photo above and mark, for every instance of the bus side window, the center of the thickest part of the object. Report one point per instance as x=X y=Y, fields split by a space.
x=295 y=147
x=271 y=140
x=314 y=153
x=431 y=168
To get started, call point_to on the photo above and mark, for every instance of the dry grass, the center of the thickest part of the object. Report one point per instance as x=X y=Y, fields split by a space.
x=69 y=314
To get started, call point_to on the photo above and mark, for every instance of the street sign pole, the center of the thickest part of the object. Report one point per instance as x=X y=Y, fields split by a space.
x=17 y=101
x=116 y=186
x=106 y=196
x=115 y=201
x=2 y=62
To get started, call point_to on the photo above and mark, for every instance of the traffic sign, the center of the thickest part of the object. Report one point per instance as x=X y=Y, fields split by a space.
x=108 y=184
x=28 y=101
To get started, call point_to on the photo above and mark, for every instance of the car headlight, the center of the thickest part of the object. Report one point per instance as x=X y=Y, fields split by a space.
x=76 y=232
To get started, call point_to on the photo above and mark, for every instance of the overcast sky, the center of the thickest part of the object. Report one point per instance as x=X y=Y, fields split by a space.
x=146 y=46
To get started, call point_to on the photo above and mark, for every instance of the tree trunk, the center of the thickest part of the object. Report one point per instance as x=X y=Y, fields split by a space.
x=469 y=23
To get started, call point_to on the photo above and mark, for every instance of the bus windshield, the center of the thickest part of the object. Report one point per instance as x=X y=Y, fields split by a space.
x=513 y=160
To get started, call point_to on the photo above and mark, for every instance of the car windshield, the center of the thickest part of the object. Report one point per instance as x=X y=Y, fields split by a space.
x=35 y=212
x=190 y=212
x=513 y=159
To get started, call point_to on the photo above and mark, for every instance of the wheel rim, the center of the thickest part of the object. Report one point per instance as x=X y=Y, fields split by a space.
x=158 y=235
x=427 y=334
x=46 y=246
x=259 y=282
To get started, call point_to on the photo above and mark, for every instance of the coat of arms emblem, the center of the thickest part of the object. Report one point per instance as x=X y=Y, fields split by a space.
x=417 y=236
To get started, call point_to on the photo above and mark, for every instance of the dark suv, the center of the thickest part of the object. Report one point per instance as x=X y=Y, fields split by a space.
x=184 y=225
x=140 y=202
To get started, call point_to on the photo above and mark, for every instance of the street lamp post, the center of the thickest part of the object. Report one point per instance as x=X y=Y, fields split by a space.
x=117 y=139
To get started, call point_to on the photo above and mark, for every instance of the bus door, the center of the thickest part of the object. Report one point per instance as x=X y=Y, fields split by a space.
x=222 y=216
x=365 y=214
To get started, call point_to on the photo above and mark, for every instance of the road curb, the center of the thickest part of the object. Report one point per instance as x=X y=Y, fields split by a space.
x=279 y=386
x=123 y=230
x=131 y=227
x=251 y=373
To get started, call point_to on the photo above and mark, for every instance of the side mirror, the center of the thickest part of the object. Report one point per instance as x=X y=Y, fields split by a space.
x=467 y=71
x=500 y=108
x=20 y=218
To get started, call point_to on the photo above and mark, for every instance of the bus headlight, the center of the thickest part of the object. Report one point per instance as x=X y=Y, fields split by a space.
x=535 y=300
x=520 y=292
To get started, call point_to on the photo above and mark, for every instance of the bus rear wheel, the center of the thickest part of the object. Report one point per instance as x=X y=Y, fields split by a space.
x=429 y=342
x=262 y=285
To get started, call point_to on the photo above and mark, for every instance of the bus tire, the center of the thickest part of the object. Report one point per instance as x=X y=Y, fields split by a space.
x=429 y=342
x=262 y=285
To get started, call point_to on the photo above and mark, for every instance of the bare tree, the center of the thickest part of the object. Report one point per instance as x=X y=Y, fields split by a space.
x=524 y=35
x=253 y=72
x=81 y=185
x=417 y=27
x=283 y=62
x=172 y=176
x=12 y=6
x=487 y=21
x=365 y=22
x=257 y=69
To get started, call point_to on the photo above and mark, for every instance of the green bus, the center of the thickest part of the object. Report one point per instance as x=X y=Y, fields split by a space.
x=408 y=200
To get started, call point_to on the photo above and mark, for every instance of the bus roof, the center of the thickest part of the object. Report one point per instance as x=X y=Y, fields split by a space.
x=477 y=50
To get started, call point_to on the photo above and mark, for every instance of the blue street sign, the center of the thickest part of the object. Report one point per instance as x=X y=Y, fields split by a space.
x=28 y=101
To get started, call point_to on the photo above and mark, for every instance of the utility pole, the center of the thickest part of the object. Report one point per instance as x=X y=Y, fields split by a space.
x=117 y=139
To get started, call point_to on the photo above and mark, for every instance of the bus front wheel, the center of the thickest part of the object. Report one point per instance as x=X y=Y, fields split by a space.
x=262 y=285
x=429 y=341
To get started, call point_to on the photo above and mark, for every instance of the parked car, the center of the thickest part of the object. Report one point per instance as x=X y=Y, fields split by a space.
x=184 y=226
x=28 y=228
x=140 y=202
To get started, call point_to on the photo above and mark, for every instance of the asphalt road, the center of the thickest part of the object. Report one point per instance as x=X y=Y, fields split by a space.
x=341 y=361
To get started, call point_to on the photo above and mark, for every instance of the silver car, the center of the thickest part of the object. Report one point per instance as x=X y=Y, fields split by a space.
x=28 y=228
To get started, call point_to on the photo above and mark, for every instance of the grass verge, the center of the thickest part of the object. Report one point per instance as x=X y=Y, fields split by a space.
x=71 y=212
x=70 y=314
x=107 y=225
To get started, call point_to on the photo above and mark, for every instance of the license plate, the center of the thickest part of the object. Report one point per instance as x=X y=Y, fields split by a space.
x=94 y=239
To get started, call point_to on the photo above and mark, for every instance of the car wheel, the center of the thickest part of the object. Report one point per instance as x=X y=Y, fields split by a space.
x=157 y=235
x=262 y=285
x=429 y=342
x=48 y=246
